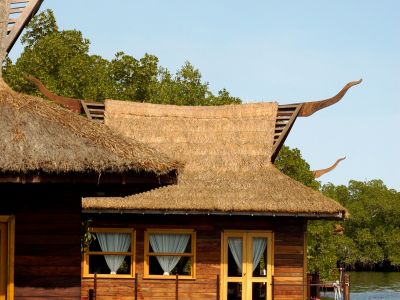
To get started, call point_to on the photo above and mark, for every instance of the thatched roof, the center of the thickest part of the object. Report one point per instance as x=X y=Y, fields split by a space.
x=227 y=154
x=37 y=136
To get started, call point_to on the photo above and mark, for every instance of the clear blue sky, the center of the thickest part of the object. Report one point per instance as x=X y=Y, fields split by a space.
x=285 y=51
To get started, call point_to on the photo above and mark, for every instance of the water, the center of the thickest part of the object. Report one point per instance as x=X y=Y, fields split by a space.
x=373 y=285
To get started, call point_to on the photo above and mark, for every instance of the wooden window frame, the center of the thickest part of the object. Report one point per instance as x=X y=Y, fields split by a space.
x=147 y=253
x=246 y=281
x=9 y=245
x=130 y=253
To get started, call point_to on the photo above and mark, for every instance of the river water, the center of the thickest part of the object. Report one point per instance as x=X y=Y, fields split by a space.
x=373 y=285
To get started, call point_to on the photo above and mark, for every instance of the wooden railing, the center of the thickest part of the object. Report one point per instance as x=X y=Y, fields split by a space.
x=314 y=286
x=92 y=293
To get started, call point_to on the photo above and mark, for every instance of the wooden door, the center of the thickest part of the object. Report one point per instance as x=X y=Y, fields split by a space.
x=247 y=265
x=3 y=260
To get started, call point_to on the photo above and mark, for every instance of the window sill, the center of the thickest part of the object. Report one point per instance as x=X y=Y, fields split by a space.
x=168 y=277
x=109 y=276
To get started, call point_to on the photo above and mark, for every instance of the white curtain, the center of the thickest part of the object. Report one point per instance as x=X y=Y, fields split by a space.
x=169 y=243
x=235 y=245
x=259 y=245
x=114 y=242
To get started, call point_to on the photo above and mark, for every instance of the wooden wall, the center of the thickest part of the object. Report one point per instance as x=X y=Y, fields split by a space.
x=288 y=256
x=47 y=240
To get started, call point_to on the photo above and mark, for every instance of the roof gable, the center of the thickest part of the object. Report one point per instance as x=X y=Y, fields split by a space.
x=229 y=137
x=227 y=151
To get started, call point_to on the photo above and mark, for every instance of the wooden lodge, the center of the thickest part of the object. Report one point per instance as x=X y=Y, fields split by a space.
x=230 y=226
x=51 y=158
x=233 y=227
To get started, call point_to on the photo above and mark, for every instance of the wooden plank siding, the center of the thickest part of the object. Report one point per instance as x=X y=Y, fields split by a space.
x=288 y=255
x=47 y=240
x=289 y=262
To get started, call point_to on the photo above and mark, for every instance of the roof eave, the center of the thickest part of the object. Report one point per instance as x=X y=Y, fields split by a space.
x=94 y=178
x=309 y=215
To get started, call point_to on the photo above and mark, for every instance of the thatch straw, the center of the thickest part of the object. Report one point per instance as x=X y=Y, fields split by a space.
x=39 y=136
x=227 y=151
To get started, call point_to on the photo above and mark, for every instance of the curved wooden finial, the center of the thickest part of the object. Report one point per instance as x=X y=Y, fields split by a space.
x=70 y=103
x=308 y=108
x=319 y=173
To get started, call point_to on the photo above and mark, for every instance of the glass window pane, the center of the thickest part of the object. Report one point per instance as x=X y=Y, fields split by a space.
x=234 y=291
x=170 y=243
x=235 y=257
x=98 y=264
x=95 y=245
x=259 y=291
x=170 y=265
x=259 y=257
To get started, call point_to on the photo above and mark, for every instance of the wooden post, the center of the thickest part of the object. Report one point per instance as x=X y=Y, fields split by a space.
x=273 y=286
x=176 y=287
x=309 y=277
x=91 y=294
x=95 y=286
x=346 y=287
x=218 y=287
x=136 y=285
x=318 y=288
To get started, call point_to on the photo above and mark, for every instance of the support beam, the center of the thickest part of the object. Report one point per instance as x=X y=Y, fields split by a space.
x=23 y=11
x=3 y=30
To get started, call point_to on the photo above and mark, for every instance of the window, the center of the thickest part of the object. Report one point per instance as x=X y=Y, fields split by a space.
x=170 y=252
x=111 y=254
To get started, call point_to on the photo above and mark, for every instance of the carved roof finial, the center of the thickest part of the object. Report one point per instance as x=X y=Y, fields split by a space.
x=70 y=103
x=308 y=108
x=319 y=173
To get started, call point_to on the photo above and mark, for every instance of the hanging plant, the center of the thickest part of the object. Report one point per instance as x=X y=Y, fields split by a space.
x=86 y=236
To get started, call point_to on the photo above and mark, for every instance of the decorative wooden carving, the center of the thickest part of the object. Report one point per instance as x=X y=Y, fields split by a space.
x=93 y=110
x=309 y=108
x=70 y=103
x=287 y=115
x=319 y=173
x=20 y=13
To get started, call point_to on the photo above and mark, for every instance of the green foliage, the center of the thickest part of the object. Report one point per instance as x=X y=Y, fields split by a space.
x=61 y=60
x=371 y=238
x=290 y=162
x=321 y=248
x=86 y=236
x=374 y=223
x=40 y=26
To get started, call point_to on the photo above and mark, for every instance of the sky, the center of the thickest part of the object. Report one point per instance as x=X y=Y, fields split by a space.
x=286 y=51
